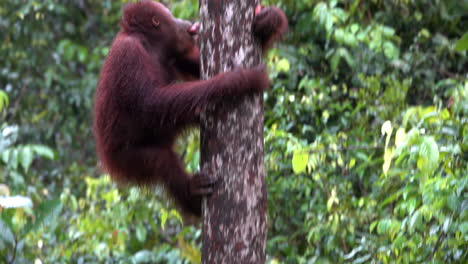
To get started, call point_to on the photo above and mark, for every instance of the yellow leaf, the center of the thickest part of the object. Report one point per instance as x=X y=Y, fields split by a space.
x=387 y=160
x=299 y=160
x=387 y=130
x=400 y=137
x=188 y=251
x=332 y=199
x=283 y=65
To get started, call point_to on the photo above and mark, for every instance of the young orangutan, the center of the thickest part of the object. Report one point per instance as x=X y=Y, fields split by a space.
x=141 y=108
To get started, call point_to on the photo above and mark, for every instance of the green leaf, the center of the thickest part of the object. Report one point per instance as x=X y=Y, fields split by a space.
x=143 y=256
x=416 y=221
x=373 y=225
x=5 y=155
x=5 y=233
x=69 y=51
x=82 y=54
x=164 y=216
x=13 y=159
x=453 y=202
x=105 y=51
x=463 y=227
x=398 y=242
x=141 y=233
x=388 y=31
x=299 y=160
x=411 y=205
x=335 y=60
x=26 y=157
x=410 y=115
x=462 y=44
x=384 y=226
x=45 y=213
x=43 y=151
x=391 y=198
x=339 y=35
x=347 y=56
x=3 y=100
x=428 y=159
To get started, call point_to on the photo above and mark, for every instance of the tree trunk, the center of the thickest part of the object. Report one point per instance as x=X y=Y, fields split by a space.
x=234 y=217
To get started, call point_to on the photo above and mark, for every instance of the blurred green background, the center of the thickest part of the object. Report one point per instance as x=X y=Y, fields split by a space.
x=366 y=138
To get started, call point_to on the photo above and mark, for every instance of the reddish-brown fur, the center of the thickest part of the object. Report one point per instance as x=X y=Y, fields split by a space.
x=140 y=107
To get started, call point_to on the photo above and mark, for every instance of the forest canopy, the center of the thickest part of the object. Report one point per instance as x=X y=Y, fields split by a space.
x=366 y=138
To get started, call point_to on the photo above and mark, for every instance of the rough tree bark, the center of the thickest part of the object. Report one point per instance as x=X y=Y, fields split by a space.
x=234 y=217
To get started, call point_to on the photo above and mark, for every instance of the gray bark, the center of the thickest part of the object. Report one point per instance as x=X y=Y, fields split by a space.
x=234 y=217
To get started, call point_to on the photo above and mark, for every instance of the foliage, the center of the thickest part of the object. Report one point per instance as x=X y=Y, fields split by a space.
x=366 y=138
